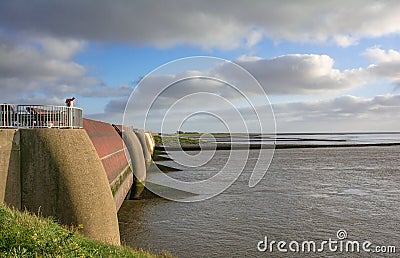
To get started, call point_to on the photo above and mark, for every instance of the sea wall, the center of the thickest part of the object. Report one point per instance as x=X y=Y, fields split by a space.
x=63 y=177
x=76 y=176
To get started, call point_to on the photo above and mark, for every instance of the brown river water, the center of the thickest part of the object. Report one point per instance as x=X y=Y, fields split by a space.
x=306 y=195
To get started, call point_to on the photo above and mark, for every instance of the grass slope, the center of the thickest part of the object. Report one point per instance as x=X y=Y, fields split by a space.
x=26 y=235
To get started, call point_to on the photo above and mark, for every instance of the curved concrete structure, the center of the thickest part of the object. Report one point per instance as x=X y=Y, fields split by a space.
x=137 y=161
x=146 y=152
x=111 y=150
x=109 y=146
x=63 y=177
x=150 y=142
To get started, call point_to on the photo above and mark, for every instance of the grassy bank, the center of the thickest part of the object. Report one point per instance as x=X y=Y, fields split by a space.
x=26 y=235
x=174 y=140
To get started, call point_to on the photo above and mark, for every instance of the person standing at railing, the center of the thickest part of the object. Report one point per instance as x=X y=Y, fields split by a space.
x=70 y=104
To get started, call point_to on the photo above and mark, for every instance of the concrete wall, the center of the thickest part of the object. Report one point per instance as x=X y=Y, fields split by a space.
x=63 y=177
x=10 y=183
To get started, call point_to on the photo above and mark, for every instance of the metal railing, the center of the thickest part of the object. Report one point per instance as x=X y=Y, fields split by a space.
x=39 y=116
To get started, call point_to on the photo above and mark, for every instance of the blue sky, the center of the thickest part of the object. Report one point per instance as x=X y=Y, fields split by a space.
x=325 y=65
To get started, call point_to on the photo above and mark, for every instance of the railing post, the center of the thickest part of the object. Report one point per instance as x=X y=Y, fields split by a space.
x=70 y=118
x=17 y=115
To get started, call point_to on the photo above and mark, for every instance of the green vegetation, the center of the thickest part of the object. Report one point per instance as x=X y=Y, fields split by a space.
x=174 y=140
x=157 y=139
x=26 y=235
x=117 y=185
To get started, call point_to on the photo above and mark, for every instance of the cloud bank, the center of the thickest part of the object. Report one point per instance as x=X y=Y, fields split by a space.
x=207 y=24
x=349 y=113
x=42 y=69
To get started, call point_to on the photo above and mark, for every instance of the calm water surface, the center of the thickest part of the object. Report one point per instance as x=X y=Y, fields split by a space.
x=307 y=194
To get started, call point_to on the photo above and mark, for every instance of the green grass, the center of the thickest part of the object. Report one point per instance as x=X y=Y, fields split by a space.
x=174 y=140
x=157 y=139
x=26 y=235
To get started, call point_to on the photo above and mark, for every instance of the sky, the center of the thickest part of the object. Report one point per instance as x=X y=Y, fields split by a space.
x=325 y=66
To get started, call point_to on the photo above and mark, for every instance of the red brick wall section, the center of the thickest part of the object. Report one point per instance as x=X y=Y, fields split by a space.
x=109 y=147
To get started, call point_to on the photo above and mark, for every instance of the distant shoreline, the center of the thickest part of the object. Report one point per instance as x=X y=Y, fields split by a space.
x=224 y=146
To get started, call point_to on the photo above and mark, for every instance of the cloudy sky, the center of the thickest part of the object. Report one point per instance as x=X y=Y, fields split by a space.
x=324 y=65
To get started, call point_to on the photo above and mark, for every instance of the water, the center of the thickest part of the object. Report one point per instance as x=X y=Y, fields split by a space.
x=307 y=194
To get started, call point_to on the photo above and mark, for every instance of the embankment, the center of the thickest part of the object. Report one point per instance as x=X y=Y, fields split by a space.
x=25 y=235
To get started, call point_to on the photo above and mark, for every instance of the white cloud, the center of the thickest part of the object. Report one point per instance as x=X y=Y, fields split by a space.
x=301 y=74
x=44 y=69
x=60 y=48
x=378 y=55
x=386 y=65
x=26 y=60
x=345 y=113
x=345 y=40
x=253 y=38
x=247 y=58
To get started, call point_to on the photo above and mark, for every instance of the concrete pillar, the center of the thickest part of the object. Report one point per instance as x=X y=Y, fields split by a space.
x=150 y=142
x=146 y=153
x=62 y=177
x=135 y=151
x=10 y=183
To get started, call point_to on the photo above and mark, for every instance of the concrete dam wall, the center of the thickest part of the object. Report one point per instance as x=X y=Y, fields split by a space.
x=77 y=176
